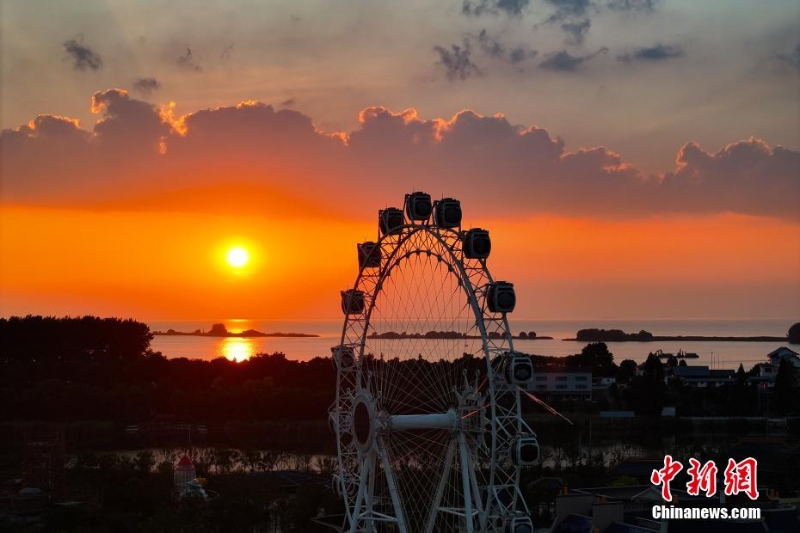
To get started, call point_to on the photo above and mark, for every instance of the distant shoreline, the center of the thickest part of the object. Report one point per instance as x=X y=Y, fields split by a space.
x=244 y=334
x=691 y=338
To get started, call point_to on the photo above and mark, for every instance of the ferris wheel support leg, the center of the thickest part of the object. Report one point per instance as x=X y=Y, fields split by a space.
x=476 y=491
x=466 y=483
x=370 y=501
x=448 y=461
x=365 y=467
x=387 y=469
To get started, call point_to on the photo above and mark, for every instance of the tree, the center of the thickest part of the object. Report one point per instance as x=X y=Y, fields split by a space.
x=627 y=369
x=649 y=390
x=794 y=334
x=785 y=391
x=595 y=356
x=218 y=329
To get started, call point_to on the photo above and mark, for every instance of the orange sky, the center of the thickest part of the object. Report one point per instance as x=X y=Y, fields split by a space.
x=631 y=159
x=172 y=265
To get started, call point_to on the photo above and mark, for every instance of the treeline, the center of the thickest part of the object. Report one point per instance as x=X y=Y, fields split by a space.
x=88 y=368
x=612 y=335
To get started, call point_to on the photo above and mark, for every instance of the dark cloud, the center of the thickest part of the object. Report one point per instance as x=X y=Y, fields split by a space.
x=563 y=61
x=288 y=102
x=658 y=52
x=635 y=6
x=520 y=54
x=146 y=86
x=568 y=9
x=490 y=45
x=457 y=62
x=576 y=31
x=82 y=55
x=792 y=58
x=481 y=7
x=136 y=148
x=495 y=49
x=187 y=62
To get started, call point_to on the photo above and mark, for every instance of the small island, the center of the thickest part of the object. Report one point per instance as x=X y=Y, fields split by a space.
x=219 y=330
x=617 y=335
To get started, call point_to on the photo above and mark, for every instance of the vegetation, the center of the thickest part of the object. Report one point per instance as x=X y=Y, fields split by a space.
x=794 y=333
x=612 y=335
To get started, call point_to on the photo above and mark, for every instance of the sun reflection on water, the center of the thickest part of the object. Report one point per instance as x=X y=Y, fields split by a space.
x=238 y=349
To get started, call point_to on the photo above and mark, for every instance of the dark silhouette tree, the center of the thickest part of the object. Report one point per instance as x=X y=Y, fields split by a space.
x=649 y=390
x=595 y=356
x=794 y=334
x=785 y=392
x=627 y=370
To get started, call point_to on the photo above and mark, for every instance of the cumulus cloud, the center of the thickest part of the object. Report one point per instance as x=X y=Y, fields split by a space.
x=658 y=52
x=82 y=55
x=481 y=7
x=137 y=149
x=563 y=61
x=457 y=62
x=188 y=62
x=146 y=86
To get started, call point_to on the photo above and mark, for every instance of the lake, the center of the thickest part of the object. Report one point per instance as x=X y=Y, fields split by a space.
x=712 y=353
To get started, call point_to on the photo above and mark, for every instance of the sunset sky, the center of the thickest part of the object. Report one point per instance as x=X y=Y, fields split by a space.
x=631 y=158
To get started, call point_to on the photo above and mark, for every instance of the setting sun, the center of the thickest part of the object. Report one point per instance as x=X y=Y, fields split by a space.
x=238 y=257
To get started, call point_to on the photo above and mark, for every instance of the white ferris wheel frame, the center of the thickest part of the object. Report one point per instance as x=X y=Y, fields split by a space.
x=492 y=505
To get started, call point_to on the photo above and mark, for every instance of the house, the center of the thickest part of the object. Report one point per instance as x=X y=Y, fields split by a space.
x=703 y=377
x=776 y=357
x=562 y=383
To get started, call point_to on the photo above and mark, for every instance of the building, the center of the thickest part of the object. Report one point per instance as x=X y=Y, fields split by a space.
x=629 y=510
x=703 y=377
x=776 y=357
x=554 y=383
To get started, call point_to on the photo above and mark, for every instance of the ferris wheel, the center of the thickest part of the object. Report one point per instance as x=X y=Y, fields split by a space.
x=427 y=416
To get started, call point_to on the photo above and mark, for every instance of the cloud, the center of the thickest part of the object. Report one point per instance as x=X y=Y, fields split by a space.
x=634 y=6
x=457 y=62
x=137 y=153
x=792 y=58
x=576 y=31
x=82 y=56
x=512 y=8
x=658 y=52
x=288 y=102
x=187 y=62
x=563 y=61
x=521 y=54
x=566 y=9
x=495 y=49
x=146 y=86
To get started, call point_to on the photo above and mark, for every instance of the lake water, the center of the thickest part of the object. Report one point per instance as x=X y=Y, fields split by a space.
x=712 y=353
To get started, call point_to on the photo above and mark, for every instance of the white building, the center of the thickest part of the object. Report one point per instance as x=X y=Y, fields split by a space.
x=562 y=383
